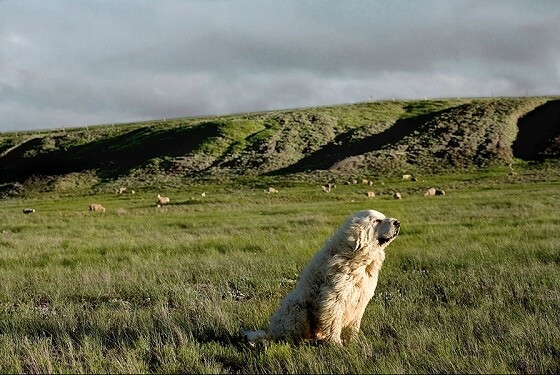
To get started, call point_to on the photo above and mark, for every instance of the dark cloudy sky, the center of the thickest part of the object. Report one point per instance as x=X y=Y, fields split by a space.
x=72 y=63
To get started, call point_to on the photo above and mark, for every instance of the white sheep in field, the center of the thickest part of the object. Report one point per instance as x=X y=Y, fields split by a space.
x=430 y=192
x=163 y=200
x=96 y=207
x=440 y=192
x=271 y=190
x=397 y=195
x=370 y=194
x=433 y=191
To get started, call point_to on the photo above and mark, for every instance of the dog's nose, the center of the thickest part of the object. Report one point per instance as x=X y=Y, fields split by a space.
x=397 y=223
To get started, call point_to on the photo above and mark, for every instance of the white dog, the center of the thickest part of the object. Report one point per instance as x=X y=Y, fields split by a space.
x=332 y=293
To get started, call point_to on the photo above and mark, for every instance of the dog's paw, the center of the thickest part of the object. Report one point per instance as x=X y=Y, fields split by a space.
x=253 y=337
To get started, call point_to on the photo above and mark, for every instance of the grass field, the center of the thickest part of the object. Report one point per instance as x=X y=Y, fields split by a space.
x=471 y=284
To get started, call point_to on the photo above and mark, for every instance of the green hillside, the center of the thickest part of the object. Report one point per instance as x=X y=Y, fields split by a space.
x=376 y=138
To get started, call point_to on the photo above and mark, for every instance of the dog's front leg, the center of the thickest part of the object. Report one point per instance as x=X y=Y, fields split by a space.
x=352 y=331
x=331 y=306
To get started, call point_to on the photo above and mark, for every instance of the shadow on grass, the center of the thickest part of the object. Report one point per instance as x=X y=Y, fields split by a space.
x=344 y=146
x=111 y=156
x=537 y=129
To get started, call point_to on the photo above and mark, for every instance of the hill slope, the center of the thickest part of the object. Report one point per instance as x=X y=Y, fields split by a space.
x=394 y=137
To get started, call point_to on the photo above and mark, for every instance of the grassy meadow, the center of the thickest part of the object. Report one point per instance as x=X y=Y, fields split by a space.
x=470 y=285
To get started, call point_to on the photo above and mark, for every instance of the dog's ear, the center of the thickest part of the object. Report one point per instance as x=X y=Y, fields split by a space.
x=362 y=233
x=356 y=235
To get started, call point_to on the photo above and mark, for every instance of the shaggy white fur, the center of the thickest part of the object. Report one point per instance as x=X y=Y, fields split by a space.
x=332 y=293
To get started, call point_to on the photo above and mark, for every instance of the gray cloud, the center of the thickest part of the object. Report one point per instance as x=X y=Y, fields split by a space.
x=67 y=63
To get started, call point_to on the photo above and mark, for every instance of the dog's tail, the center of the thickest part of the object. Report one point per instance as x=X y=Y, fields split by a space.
x=253 y=337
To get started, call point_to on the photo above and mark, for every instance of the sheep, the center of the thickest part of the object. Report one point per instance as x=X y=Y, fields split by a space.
x=96 y=207
x=430 y=192
x=28 y=210
x=354 y=182
x=440 y=192
x=370 y=183
x=370 y=194
x=406 y=177
x=326 y=188
x=365 y=182
x=163 y=200
x=120 y=190
x=397 y=195
x=271 y=190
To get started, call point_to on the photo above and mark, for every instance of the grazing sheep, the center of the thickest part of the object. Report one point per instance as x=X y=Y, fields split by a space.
x=370 y=194
x=371 y=183
x=120 y=190
x=326 y=188
x=96 y=207
x=28 y=210
x=163 y=200
x=271 y=190
x=397 y=195
x=430 y=192
x=365 y=182
x=406 y=177
x=440 y=192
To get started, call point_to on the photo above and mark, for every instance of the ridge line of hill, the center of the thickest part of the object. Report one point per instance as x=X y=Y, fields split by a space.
x=374 y=138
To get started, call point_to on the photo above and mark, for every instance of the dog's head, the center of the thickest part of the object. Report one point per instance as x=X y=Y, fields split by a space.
x=371 y=228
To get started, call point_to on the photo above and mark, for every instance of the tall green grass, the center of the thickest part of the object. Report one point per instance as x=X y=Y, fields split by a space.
x=470 y=285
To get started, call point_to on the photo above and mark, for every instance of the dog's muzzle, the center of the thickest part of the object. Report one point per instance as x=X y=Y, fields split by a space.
x=397 y=225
